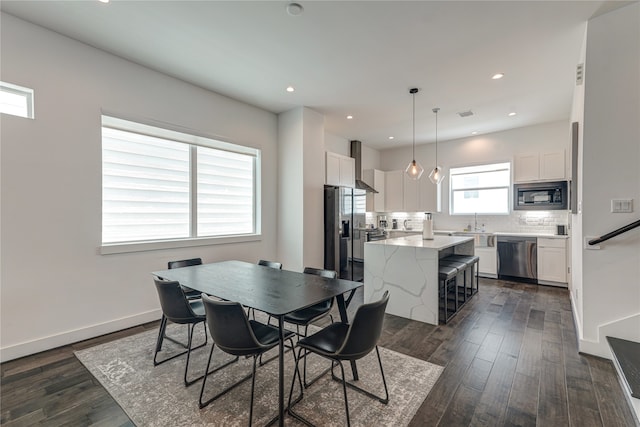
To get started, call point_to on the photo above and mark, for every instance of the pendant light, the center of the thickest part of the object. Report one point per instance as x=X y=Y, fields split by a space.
x=414 y=170
x=437 y=175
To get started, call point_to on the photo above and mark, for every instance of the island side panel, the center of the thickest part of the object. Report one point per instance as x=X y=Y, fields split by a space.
x=409 y=274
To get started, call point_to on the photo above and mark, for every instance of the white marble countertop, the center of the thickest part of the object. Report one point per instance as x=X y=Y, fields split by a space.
x=546 y=235
x=416 y=241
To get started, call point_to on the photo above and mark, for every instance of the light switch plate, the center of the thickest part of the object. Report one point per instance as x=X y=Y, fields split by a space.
x=621 y=205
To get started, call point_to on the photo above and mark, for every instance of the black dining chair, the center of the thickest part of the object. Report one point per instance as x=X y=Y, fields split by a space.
x=309 y=315
x=264 y=263
x=233 y=332
x=178 y=309
x=190 y=293
x=340 y=341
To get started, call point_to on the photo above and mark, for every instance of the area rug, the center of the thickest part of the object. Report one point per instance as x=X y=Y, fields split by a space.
x=156 y=395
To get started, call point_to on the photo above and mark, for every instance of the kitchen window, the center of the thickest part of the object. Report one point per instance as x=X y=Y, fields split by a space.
x=160 y=185
x=482 y=189
x=16 y=100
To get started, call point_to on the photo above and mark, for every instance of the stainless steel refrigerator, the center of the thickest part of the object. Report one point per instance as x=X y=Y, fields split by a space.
x=344 y=231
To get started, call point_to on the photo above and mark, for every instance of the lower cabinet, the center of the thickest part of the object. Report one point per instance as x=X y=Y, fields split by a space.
x=552 y=260
x=488 y=264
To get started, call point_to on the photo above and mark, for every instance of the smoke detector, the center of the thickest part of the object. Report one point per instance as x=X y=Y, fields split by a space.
x=465 y=113
x=295 y=9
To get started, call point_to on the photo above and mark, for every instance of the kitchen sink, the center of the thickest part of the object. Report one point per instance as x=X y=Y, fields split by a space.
x=482 y=238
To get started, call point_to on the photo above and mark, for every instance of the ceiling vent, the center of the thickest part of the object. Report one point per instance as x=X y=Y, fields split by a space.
x=465 y=113
x=579 y=74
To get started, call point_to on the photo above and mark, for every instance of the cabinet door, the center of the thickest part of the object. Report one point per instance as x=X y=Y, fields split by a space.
x=526 y=167
x=375 y=178
x=410 y=194
x=429 y=196
x=347 y=172
x=393 y=191
x=552 y=262
x=332 y=169
x=488 y=261
x=552 y=165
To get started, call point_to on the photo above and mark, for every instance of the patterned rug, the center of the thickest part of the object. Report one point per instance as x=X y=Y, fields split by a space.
x=156 y=396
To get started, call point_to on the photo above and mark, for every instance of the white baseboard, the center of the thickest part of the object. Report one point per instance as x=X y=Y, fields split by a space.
x=35 y=346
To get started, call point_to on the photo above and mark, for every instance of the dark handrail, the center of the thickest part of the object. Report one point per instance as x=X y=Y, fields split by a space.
x=615 y=233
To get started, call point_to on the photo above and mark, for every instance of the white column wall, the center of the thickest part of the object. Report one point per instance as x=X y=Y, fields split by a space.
x=55 y=288
x=611 y=276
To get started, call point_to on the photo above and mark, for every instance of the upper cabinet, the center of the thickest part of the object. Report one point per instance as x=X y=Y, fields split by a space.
x=548 y=166
x=393 y=191
x=340 y=170
x=375 y=178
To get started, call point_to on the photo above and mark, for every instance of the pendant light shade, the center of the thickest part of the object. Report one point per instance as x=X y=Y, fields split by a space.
x=437 y=174
x=414 y=170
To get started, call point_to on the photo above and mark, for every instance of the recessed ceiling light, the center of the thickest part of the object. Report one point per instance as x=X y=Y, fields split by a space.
x=511 y=114
x=391 y=137
x=475 y=132
x=498 y=76
x=349 y=117
x=103 y=1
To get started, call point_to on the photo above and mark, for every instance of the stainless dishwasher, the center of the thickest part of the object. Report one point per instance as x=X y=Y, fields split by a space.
x=518 y=258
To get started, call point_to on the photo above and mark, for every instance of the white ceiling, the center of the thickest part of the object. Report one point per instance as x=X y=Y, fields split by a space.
x=353 y=57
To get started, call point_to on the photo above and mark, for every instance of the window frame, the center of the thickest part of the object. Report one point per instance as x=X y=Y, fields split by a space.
x=193 y=140
x=489 y=167
x=26 y=92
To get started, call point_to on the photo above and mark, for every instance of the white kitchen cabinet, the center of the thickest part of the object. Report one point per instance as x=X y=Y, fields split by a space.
x=410 y=194
x=552 y=260
x=394 y=191
x=546 y=166
x=488 y=264
x=340 y=170
x=429 y=196
x=375 y=178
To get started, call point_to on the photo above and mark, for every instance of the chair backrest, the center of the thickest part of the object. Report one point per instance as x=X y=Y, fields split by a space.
x=365 y=330
x=272 y=264
x=329 y=274
x=184 y=263
x=174 y=304
x=230 y=328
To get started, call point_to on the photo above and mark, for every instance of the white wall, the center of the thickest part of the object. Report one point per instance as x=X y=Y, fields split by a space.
x=611 y=155
x=488 y=148
x=55 y=289
x=314 y=175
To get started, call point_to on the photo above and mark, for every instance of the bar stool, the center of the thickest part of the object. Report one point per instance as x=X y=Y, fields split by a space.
x=447 y=280
x=461 y=291
x=472 y=261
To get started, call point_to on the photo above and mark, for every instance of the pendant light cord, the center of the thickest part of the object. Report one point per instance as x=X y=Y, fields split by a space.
x=435 y=110
x=414 y=126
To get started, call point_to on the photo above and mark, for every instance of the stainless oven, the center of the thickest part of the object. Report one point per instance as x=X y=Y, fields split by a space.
x=541 y=196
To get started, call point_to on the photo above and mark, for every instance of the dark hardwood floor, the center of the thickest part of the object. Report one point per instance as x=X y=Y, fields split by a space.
x=510 y=359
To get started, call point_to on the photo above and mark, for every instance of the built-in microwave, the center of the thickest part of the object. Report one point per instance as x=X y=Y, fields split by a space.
x=540 y=196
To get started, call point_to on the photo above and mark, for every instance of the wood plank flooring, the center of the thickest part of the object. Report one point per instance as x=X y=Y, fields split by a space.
x=510 y=359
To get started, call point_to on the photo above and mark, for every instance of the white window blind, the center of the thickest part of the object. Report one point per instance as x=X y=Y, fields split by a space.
x=157 y=188
x=480 y=189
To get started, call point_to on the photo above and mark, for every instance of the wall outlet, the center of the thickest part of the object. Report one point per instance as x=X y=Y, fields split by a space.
x=621 y=205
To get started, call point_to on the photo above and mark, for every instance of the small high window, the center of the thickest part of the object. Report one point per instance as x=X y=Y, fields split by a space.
x=480 y=189
x=16 y=100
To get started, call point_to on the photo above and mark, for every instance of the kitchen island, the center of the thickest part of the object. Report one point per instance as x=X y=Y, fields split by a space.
x=408 y=268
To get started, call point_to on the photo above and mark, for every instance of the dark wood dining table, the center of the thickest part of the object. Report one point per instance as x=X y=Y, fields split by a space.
x=273 y=291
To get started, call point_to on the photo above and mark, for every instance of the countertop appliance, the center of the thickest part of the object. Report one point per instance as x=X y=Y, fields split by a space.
x=345 y=231
x=518 y=258
x=541 y=196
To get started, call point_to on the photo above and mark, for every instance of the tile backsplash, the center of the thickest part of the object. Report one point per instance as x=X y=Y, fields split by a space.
x=517 y=222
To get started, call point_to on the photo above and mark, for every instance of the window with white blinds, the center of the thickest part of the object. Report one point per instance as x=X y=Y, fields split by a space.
x=159 y=185
x=482 y=189
x=16 y=100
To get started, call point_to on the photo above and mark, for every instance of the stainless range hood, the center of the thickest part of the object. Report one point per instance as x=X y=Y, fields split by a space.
x=356 y=153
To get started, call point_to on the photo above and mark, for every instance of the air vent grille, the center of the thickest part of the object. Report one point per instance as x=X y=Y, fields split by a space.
x=465 y=113
x=579 y=74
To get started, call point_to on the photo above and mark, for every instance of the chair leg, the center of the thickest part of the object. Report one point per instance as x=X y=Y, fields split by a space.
x=162 y=335
x=344 y=389
x=291 y=404
x=189 y=350
x=385 y=399
x=304 y=368
x=207 y=373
